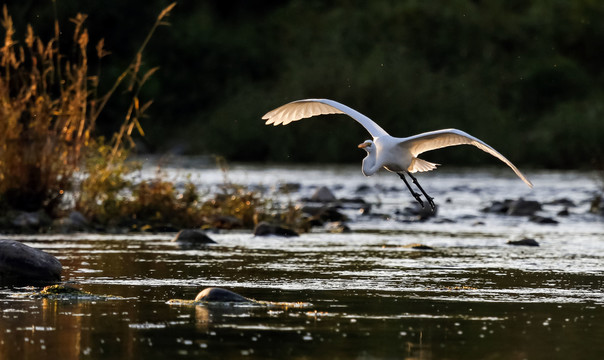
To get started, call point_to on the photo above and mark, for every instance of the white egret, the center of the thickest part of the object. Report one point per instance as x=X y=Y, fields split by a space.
x=398 y=155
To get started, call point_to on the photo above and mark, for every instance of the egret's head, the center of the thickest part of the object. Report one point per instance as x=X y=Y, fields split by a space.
x=367 y=145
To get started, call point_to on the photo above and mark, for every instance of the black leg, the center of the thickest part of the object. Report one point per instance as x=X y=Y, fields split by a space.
x=415 y=195
x=429 y=198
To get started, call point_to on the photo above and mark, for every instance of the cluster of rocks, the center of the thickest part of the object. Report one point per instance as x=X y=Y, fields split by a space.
x=530 y=209
x=22 y=222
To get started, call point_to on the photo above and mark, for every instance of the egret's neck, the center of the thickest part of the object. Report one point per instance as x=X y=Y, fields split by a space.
x=369 y=165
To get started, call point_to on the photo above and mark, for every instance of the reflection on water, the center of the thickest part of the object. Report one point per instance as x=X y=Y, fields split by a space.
x=371 y=296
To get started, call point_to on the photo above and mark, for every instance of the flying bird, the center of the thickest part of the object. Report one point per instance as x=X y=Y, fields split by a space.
x=398 y=155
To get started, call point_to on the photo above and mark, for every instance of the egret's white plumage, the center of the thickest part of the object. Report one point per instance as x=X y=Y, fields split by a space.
x=384 y=151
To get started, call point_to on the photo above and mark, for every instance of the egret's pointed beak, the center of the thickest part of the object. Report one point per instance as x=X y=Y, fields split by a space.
x=363 y=145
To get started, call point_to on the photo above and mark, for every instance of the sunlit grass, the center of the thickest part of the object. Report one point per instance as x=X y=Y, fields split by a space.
x=49 y=107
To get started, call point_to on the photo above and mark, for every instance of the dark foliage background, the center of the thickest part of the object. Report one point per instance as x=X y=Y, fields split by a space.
x=525 y=76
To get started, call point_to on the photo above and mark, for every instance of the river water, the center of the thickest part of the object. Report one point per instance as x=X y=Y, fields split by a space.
x=361 y=295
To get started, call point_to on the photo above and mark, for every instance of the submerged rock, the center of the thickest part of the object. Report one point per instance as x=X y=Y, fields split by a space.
x=192 y=237
x=22 y=264
x=524 y=242
x=266 y=229
x=214 y=294
x=67 y=292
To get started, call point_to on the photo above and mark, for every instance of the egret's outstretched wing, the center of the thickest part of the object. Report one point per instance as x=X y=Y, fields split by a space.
x=306 y=108
x=433 y=140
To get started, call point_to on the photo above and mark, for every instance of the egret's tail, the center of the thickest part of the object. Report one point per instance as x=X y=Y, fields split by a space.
x=419 y=165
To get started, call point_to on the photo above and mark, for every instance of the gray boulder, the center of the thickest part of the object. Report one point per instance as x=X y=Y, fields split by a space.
x=24 y=265
x=323 y=194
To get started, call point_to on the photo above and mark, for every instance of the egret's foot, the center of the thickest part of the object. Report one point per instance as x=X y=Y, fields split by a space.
x=431 y=202
x=418 y=197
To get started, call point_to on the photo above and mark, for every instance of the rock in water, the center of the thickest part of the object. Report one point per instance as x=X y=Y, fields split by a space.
x=214 y=294
x=22 y=264
x=523 y=207
x=265 y=229
x=192 y=237
x=419 y=247
x=542 y=220
x=323 y=194
x=524 y=242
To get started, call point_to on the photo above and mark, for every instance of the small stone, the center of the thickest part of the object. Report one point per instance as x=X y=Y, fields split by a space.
x=444 y=221
x=338 y=227
x=420 y=213
x=266 y=229
x=290 y=187
x=419 y=247
x=22 y=264
x=74 y=222
x=566 y=202
x=226 y=222
x=30 y=220
x=595 y=206
x=192 y=236
x=524 y=242
x=214 y=294
x=563 y=212
x=498 y=207
x=324 y=213
x=323 y=194
x=363 y=189
x=542 y=220
x=523 y=207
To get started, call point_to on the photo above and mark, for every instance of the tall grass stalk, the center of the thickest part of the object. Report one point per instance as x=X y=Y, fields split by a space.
x=48 y=110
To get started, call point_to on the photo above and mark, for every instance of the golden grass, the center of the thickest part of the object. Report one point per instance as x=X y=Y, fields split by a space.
x=48 y=110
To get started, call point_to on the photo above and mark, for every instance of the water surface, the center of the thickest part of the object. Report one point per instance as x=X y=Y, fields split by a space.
x=367 y=294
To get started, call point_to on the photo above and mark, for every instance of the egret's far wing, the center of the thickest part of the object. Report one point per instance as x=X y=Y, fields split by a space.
x=433 y=140
x=306 y=108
